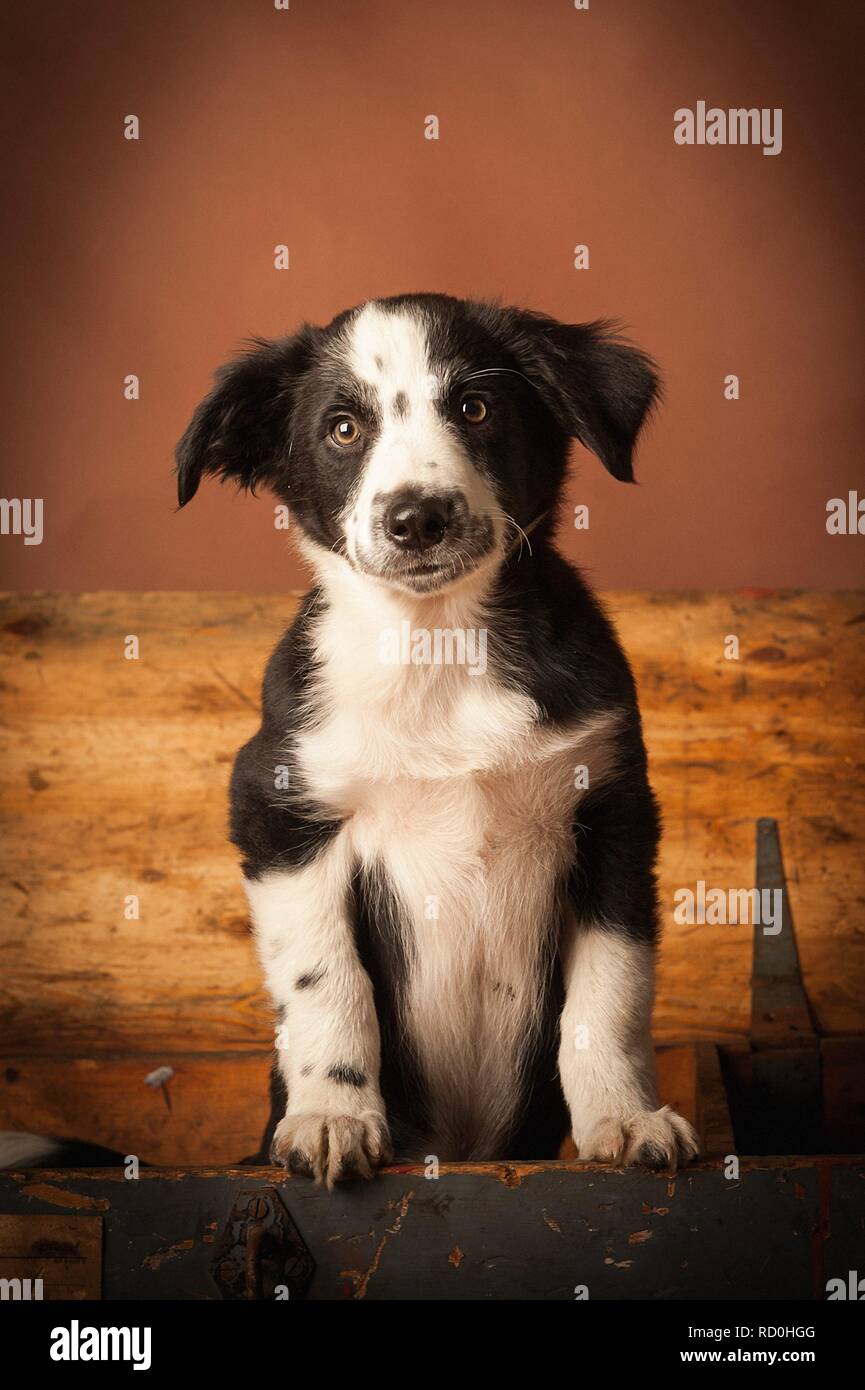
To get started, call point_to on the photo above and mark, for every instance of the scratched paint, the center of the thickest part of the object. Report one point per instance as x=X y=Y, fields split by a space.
x=63 y=1197
x=360 y=1279
x=169 y=1252
x=506 y=1228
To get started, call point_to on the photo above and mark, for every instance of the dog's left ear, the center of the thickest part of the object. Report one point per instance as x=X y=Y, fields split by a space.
x=599 y=388
x=241 y=429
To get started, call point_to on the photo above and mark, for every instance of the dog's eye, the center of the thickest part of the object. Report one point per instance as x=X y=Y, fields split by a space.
x=345 y=430
x=473 y=409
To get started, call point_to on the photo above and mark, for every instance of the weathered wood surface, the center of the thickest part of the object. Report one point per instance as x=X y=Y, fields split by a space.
x=213 y=1110
x=778 y=1230
x=215 y=1107
x=114 y=783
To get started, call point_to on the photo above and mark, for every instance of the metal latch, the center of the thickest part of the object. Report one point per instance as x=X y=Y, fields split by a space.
x=261 y=1253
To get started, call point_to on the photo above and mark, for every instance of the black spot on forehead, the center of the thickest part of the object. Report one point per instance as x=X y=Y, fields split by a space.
x=400 y=405
x=462 y=340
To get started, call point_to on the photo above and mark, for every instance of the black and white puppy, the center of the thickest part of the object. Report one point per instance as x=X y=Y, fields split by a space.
x=454 y=897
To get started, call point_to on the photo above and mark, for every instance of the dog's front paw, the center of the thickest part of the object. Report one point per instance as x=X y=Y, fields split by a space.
x=331 y=1147
x=654 y=1138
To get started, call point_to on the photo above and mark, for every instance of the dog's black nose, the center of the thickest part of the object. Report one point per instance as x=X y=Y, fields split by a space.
x=416 y=523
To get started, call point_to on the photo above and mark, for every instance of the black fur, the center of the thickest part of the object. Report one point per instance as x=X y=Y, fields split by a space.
x=312 y=977
x=345 y=1075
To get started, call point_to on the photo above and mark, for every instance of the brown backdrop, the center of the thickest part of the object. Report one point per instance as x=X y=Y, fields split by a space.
x=261 y=127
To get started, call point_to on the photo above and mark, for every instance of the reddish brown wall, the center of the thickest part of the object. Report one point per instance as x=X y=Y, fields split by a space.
x=306 y=127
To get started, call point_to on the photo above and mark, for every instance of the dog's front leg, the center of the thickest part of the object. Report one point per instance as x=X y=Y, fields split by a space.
x=606 y=1057
x=328 y=1039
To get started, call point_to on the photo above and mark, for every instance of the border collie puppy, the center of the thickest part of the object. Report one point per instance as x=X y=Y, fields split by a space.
x=447 y=831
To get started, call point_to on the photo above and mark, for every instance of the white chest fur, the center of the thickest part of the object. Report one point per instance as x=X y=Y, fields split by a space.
x=451 y=789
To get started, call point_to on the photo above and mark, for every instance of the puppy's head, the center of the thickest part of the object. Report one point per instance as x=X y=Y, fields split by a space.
x=415 y=437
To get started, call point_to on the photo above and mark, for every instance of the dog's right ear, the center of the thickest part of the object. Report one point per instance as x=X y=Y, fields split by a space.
x=241 y=429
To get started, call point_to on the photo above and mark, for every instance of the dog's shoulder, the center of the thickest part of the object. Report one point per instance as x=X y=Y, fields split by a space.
x=285 y=691
x=272 y=819
x=551 y=638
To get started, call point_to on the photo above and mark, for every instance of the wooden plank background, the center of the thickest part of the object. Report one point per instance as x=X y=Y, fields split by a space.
x=114 y=776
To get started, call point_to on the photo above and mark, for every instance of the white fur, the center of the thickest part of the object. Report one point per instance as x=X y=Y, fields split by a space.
x=301 y=928
x=451 y=784
x=606 y=1056
x=22 y=1150
x=415 y=449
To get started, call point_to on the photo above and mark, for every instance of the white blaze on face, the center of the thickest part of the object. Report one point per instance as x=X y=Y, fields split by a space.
x=415 y=448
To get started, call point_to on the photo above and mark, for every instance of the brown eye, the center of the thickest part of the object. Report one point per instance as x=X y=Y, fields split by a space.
x=473 y=409
x=345 y=430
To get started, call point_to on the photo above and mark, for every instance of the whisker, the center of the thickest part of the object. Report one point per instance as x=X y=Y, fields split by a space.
x=523 y=535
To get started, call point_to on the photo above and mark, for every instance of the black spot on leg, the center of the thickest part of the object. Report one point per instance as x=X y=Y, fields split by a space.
x=311 y=978
x=379 y=363
x=400 y=405
x=346 y=1075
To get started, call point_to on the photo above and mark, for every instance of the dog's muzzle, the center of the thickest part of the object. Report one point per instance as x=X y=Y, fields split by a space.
x=423 y=539
x=416 y=522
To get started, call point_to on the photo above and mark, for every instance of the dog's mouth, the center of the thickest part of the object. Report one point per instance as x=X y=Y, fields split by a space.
x=418 y=576
x=436 y=567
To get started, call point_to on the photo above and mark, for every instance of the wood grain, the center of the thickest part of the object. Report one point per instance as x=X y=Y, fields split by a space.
x=215 y=1107
x=114 y=784
x=213 y=1110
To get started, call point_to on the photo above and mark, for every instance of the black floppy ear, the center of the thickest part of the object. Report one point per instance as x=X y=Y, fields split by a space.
x=241 y=429
x=599 y=388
